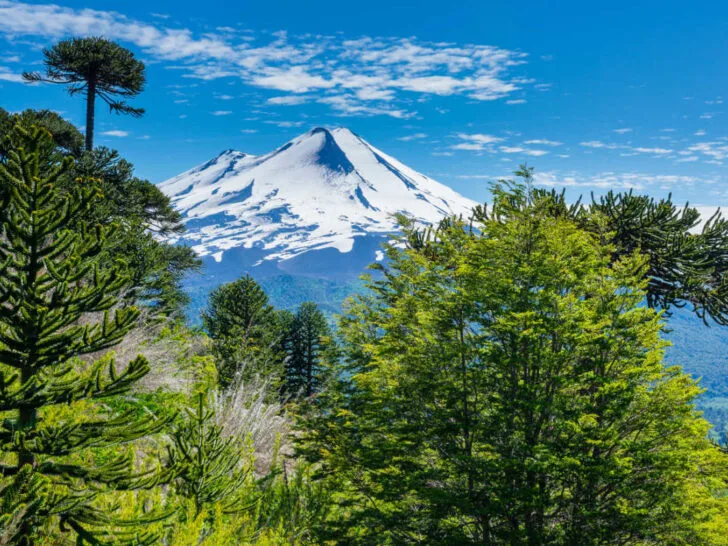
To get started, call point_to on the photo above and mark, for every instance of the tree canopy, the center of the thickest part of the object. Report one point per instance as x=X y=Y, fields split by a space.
x=58 y=303
x=503 y=384
x=94 y=67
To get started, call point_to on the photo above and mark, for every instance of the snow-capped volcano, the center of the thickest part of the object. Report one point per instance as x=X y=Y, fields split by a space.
x=322 y=189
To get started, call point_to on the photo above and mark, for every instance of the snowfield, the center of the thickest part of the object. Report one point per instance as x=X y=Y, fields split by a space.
x=320 y=190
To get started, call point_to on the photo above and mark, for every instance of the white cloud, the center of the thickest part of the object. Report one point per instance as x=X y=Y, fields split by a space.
x=523 y=151
x=598 y=144
x=609 y=180
x=7 y=75
x=356 y=77
x=544 y=142
x=288 y=100
x=415 y=136
x=716 y=151
x=285 y=124
x=248 y=131
x=623 y=130
x=516 y=101
x=476 y=142
x=347 y=105
x=221 y=112
x=115 y=133
x=630 y=150
x=657 y=151
x=700 y=132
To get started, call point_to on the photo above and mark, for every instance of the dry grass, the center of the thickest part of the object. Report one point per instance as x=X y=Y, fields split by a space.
x=245 y=411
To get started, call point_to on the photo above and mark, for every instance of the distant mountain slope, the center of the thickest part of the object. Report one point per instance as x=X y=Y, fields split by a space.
x=321 y=190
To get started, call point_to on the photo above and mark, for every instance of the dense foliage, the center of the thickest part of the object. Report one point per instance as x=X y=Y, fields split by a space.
x=141 y=212
x=53 y=281
x=94 y=67
x=687 y=256
x=503 y=384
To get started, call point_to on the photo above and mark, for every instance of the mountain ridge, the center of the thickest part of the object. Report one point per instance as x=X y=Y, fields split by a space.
x=322 y=189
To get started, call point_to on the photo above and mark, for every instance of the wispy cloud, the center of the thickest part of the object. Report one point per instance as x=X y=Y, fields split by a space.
x=289 y=100
x=630 y=150
x=522 y=151
x=716 y=150
x=623 y=130
x=365 y=77
x=285 y=124
x=608 y=180
x=8 y=75
x=221 y=112
x=416 y=136
x=476 y=142
x=115 y=133
x=544 y=142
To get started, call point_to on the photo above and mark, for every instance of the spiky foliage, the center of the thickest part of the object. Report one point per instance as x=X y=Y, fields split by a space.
x=140 y=210
x=66 y=136
x=245 y=329
x=687 y=263
x=307 y=339
x=94 y=67
x=53 y=282
x=210 y=467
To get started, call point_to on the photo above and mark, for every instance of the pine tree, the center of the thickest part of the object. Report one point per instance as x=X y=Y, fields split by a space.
x=502 y=383
x=53 y=286
x=308 y=337
x=245 y=330
x=210 y=467
x=95 y=67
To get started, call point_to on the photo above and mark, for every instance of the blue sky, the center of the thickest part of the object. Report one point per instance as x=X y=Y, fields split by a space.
x=594 y=98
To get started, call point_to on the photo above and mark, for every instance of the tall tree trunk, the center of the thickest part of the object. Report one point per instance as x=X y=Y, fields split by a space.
x=90 y=113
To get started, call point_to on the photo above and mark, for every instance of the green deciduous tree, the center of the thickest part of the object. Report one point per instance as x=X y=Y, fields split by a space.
x=307 y=338
x=95 y=67
x=503 y=384
x=58 y=301
x=687 y=263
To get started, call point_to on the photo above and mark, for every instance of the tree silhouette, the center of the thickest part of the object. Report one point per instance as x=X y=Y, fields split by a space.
x=94 y=66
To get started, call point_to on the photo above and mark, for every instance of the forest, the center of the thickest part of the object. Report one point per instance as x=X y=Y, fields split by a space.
x=499 y=379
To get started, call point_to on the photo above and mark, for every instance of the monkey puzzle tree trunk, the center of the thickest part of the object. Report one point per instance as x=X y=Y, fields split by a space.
x=90 y=112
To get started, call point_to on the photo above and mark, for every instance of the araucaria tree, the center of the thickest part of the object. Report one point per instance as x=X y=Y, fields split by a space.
x=95 y=67
x=503 y=383
x=210 y=467
x=306 y=342
x=245 y=330
x=58 y=306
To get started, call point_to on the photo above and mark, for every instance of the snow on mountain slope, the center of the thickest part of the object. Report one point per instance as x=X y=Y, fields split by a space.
x=320 y=190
